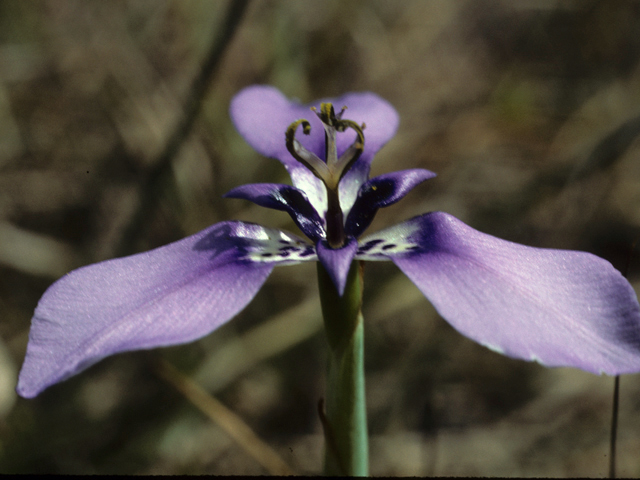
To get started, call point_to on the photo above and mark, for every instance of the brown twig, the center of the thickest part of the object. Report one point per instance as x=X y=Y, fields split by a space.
x=614 y=428
x=231 y=423
x=329 y=438
x=150 y=187
x=616 y=387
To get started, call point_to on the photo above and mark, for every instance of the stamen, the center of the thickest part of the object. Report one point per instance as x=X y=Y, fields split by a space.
x=304 y=156
x=327 y=114
x=354 y=151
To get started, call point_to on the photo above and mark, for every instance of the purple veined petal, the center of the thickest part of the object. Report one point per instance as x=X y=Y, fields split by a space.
x=262 y=115
x=557 y=307
x=337 y=261
x=379 y=192
x=171 y=295
x=285 y=198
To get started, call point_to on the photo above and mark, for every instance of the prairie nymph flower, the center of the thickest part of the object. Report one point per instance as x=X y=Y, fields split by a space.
x=561 y=308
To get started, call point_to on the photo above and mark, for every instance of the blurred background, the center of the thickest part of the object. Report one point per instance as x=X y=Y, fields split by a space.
x=115 y=138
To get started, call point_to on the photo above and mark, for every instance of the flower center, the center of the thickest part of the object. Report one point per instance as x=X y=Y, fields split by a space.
x=333 y=169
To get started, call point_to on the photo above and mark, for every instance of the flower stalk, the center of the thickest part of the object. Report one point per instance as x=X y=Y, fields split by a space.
x=345 y=421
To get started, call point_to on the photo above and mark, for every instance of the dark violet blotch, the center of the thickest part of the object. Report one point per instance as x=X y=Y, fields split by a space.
x=370 y=244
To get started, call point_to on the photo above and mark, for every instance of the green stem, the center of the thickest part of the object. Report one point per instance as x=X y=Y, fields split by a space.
x=345 y=420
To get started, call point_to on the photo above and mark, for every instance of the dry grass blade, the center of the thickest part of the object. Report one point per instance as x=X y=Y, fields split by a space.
x=231 y=423
x=150 y=187
x=268 y=339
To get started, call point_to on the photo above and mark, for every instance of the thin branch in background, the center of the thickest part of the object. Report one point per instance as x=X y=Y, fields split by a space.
x=614 y=428
x=610 y=149
x=269 y=338
x=231 y=423
x=616 y=387
x=150 y=188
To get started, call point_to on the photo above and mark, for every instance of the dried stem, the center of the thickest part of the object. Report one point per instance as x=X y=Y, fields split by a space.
x=151 y=186
x=231 y=423
x=614 y=428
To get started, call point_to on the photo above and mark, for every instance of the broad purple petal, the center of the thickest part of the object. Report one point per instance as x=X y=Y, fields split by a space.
x=560 y=308
x=262 y=114
x=167 y=296
x=337 y=261
x=285 y=198
x=379 y=192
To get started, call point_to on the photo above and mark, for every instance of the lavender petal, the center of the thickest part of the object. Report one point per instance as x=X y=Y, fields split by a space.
x=560 y=308
x=171 y=295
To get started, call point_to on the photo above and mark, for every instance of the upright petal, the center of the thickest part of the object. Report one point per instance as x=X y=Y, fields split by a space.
x=262 y=114
x=171 y=295
x=560 y=308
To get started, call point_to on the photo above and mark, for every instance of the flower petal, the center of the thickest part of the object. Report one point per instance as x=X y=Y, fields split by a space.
x=337 y=261
x=262 y=115
x=167 y=296
x=561 y=308
x=285 y=198
x=379 y=192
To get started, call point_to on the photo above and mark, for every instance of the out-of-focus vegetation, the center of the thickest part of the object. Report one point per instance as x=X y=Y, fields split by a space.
x=529 y=113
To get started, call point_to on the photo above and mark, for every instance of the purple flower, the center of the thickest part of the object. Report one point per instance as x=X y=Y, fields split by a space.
x=560 y=308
